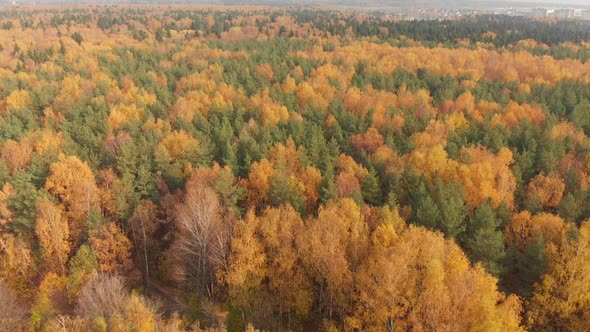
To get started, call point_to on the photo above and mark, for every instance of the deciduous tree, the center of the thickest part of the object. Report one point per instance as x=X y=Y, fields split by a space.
x=201 y=243
x=12 y=315
x=53 y=232
x=547 y=189
x=72 y=181
x=417 y=280
x=562 y=298
x=112 y=248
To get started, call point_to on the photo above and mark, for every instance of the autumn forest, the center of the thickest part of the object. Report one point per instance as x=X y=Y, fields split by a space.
x=215 y=168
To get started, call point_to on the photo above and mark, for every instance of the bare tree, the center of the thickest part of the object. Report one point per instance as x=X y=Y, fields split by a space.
x=12 y=313
x=143 y=224
x=104 y=295
x=202 y=239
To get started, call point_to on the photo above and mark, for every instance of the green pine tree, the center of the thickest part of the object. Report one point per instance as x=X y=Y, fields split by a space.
x=450 y=199
x=485 y=241
x=426 y=212
x=371 y=189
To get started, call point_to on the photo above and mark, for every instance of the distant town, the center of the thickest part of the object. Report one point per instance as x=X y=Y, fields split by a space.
x=453 y=13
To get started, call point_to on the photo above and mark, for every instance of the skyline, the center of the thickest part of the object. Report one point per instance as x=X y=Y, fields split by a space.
x=352 y=3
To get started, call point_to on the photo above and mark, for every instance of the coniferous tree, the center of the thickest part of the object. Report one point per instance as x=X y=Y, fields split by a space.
x=371 y=188
x=484 y=240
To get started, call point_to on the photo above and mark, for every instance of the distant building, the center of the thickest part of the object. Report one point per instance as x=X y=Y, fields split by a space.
x=586 y=15
x=539 y=12
x=564 y=13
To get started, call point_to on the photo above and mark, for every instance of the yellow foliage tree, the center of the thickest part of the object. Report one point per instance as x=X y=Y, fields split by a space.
x=112 y=248
x=547 y=189
x=122 y=114
x=561 y=299
x=72 y=181
x=17 y=100
x=332 y=249
x=53 y=232
x=275 y=268
x=17 y=263
x=416 y=280
x=17 y=155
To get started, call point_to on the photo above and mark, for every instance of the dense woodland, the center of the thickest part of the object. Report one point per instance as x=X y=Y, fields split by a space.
x=250 y=168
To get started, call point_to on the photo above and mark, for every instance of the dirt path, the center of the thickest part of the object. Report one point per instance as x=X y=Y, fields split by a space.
x=169 y=297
